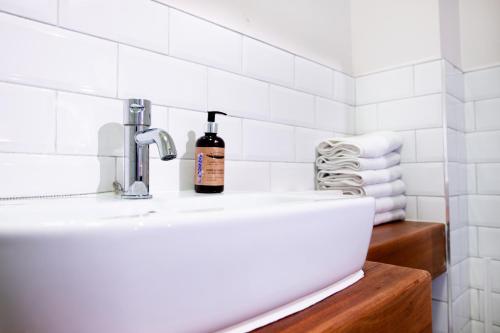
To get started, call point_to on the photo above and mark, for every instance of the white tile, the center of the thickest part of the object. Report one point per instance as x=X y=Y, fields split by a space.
x=264 y=141
x=313 y=78
x=440 y=288
x=423 y=178
x=457 y=181
x=475 y=306
x=494 y=271
x=483 y=146
x=487 y=114
x=306 y=141
x=413 y=113
x=344 y=88
x=464 y=209
x=459 y=278
x=136 y=22
x=477 y=327
x=461 y=311
x=470 y=117
x=471 y=178
x=42 y=10
x=89 y=125
x=473 y=248
x=409 y=149
x=428 y=78
x=488 y=243
x=334 y=116
x=237 y=95
x=162 y=79
x=439 y=316
x=453 y=145
x=230 y=130
x=454 y=81
x=245 y=176
x=431 y=209
x=459 y=245
x=455 y=113
x=495 y=308
x=292 y=177
x=411 y=208
x=476 y=273
x=28 y=119
x=430 y=145
x=267 y=63
x=482 y=84
x=74 y=174
x=384 y=86
x=366 y=118
x=165 y=175
x=291 y=107
x=484 y=210
x=56 y=58
x=488 y=180
x=186 y=127
x=201 y=41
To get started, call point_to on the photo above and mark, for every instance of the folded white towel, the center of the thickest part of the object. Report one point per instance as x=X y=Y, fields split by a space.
x=393 y=215
x=348 y=177
x=370 y=145
x=386 y=204
x=358 y=163
x=396 y=187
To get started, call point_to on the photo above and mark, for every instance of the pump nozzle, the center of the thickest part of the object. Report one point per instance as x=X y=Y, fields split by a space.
x=211 y=115
x=212 y=125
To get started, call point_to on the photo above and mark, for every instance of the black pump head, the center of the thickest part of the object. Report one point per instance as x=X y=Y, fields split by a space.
x=211 y=115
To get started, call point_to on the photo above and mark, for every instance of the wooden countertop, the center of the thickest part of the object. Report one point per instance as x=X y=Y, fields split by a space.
x=388 y=299
x=419 y=245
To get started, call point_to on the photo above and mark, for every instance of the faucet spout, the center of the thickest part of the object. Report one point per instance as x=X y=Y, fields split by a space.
x=161 y=138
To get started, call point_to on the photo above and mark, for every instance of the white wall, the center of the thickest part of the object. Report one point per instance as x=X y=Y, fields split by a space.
x=480 y=33
x=319 y=30
x=449 y=13
x=392 y=33
x=66 y=66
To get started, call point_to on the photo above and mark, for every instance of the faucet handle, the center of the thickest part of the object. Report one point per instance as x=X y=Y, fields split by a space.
x=137 y=112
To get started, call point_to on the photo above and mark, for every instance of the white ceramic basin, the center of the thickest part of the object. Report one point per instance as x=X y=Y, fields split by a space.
x=176 y=263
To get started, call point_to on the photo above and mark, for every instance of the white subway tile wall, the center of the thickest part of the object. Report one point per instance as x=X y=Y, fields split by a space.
x=40 y=10
x=267 y=63
x=313 y=78
x=89 y=58
x=135 y=22
x=482 y=120
x=64 y=59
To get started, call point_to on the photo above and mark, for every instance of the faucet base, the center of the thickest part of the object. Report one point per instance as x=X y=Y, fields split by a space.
x=136 y=196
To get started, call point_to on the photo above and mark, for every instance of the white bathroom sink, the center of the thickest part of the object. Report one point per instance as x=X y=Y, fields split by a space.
x=176 y=263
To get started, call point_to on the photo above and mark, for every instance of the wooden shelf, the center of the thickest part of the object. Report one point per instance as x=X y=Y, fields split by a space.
x=388 y=299
x=411 y=244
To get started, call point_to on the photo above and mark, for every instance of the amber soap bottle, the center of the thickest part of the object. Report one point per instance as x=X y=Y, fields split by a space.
x=209 y=159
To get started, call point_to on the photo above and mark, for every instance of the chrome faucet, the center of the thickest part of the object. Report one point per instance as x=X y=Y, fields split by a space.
x=138 y=137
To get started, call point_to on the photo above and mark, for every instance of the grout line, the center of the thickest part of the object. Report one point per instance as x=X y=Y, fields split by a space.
x=398 y=99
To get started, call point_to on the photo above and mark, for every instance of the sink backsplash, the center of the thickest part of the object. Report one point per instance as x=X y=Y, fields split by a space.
x=66 y=66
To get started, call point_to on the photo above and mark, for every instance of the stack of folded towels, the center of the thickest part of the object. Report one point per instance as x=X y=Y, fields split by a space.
x=365 y=165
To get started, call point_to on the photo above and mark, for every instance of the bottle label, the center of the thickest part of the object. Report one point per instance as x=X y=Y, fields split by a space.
x=209 y=166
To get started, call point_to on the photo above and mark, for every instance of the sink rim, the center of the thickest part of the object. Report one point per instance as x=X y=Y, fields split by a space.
x=148 y=212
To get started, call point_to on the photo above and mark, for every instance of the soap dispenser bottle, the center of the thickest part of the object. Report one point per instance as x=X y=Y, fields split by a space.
x=209 y=159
